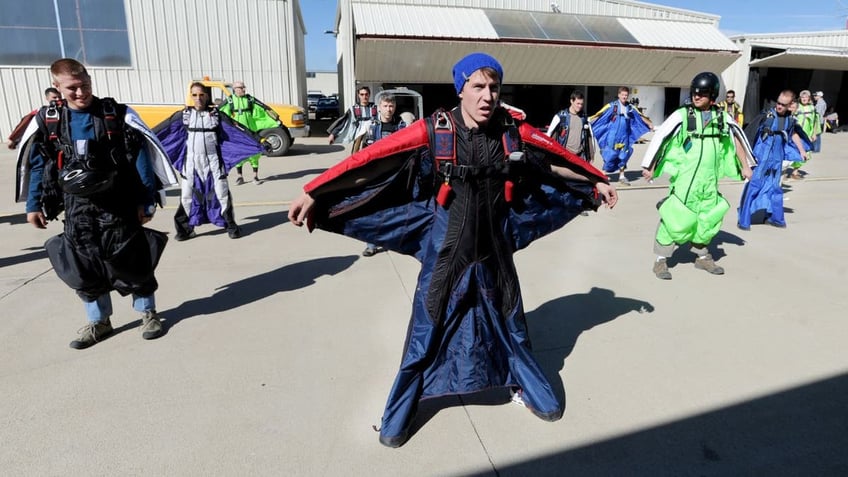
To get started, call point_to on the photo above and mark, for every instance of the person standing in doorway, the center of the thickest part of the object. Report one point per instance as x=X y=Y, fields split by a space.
x=731 y=107
x=571 y=129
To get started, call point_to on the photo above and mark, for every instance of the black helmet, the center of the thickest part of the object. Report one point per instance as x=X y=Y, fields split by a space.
x=706 y=82
x=85 y=182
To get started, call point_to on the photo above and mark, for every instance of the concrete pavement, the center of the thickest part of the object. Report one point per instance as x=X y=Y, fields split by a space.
x=282 y=347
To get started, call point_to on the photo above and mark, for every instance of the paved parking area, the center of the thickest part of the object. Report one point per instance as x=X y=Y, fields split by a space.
x=282 y=347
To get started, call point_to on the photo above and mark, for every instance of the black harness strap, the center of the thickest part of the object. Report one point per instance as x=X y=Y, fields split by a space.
x=692 y=124
x=442 y=133
x=359 y=111
x=58 y=148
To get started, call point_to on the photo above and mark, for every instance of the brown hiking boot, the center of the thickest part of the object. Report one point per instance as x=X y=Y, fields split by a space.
x=151 y=327
x=706 y=263
x=661 y=270
x=91 y=333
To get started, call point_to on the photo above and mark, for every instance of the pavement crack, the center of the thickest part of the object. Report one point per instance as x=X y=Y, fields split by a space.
x=400 y=278
x=479 y=438
x=25 y=283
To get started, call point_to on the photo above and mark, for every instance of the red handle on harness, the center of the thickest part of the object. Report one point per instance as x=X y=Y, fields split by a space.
x=443 y=197
x=508 y=186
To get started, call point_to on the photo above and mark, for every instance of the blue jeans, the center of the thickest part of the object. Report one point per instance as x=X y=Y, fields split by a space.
x=101 y=308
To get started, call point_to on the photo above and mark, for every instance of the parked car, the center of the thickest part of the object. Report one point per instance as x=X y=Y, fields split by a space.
x=312 y=100
x=327 y=108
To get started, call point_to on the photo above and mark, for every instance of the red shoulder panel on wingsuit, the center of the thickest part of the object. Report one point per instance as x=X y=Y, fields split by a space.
x=531 y=135
x=409 y=138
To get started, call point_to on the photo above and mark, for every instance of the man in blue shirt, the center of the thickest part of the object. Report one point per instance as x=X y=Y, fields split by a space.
x=95 y=160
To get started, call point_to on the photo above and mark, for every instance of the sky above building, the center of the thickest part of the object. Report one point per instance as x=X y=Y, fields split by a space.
x=737 y=17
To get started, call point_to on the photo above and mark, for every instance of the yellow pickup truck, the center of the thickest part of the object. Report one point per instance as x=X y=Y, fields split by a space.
x=293 y=120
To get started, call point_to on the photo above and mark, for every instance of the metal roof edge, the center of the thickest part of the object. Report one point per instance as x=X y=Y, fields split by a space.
x=759 y=36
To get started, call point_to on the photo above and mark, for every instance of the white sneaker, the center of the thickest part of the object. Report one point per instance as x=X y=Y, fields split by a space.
x=516 y=397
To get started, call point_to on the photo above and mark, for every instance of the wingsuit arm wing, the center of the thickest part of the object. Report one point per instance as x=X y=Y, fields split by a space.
x=752 y=129
x=237 y=143
x=156 y=155
x=806 y=142
x=371 y=195
x=172 y=135
x=264 y=115
x=358 y=169
x=23 y=169
x=667 y=130
x=600 y=113
x=601 y=121
x=639 y=125
x=560 y=156
x=552 y=127
x=226 y=108
x=340 y=128
x=741 y=138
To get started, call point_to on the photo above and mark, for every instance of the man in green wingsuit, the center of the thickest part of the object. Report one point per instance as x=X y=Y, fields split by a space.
x=696 y=145
x=252 y=114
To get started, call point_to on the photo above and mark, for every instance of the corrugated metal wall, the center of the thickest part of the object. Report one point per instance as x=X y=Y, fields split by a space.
x=174 y=41
x=620 y=8
x=21 y=89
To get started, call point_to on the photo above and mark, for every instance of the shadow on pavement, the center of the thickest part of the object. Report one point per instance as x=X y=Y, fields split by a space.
x=255 y=288
x=38 y=254
x=555 y=326
x=294 y=175
x=263 y=221
x=685 y=254
x=307 y=149
x=13 y=219
x=800 y=431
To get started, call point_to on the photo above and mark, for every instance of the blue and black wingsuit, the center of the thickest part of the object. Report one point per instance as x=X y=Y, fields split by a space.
x=467 y=332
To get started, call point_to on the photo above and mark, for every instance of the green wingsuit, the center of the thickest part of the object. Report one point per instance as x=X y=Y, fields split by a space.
x=251 y=114
x=810 y=122
x=696 y=149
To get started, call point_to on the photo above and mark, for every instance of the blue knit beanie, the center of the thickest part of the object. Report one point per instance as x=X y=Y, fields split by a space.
x=464 y=68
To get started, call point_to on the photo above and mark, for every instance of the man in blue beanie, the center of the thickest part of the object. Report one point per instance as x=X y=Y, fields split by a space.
x=461 y=191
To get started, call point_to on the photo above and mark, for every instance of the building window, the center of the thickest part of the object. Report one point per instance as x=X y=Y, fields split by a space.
x=38 y=32
x=310 y=74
